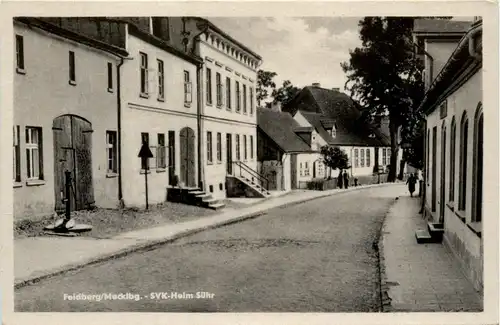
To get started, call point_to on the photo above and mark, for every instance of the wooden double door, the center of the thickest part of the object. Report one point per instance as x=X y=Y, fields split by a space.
x=73 y=153
x=187 y=157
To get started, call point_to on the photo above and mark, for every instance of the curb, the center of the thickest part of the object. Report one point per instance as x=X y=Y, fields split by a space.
x=385 y=299
x=150 y=245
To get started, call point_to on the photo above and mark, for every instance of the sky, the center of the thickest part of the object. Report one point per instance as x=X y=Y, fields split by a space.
x=303 y=50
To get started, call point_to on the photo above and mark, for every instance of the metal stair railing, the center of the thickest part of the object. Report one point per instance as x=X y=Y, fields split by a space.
x=262 y=181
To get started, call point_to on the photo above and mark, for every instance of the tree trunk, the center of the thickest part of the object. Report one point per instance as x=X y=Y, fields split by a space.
x=401 y=169
x=394 y=152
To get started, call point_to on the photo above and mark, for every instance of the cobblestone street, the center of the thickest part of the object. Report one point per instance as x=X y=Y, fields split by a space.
x=315 y=256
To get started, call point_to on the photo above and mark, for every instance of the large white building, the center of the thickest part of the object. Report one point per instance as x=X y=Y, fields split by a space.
x=454 y=137
x=228 y=117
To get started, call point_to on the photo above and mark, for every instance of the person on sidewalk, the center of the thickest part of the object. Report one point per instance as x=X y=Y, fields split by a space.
x=411 y=183
x=339 y=179
x=420 y=183
x=346 y=180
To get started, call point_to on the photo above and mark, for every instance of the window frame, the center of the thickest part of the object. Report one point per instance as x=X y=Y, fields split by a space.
x=238 y=148
x=251 y=101
x=16 y=154
x=110 y=77
x=463 y=174
x=219 y=90
x=208 y=85
x=368 y=157
x=20 y=59
x=244 y=98
x=210 y=157
x=219 y=147
x=30 y=148
x=356 y=158
x=161 y=152
x=251 y=147
x=144 y=75
x=238 y=96
x=72 y=68
x=161 y=80
x=228 y=94
x=453 y=140
x=362 y=158
x=188 y=95
x=111 y=155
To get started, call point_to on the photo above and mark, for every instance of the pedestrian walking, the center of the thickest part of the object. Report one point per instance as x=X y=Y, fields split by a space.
x=339 y=179
x=346 y=180
x=420 y=183
x=411 y=183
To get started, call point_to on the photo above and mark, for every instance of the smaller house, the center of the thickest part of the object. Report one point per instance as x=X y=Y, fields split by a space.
x=337 y=121
x=284 y=151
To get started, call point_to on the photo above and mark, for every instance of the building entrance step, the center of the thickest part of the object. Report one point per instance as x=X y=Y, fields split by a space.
x=424 y=237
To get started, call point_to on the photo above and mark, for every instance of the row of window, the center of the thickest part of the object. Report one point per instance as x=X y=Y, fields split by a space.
x=245 y=99
x=462 y=159
x=304 y=169
x=21 y=68
x=34 y=153
x=163 y=153
x=219 y=155
x=145 y=71
x=362 y=157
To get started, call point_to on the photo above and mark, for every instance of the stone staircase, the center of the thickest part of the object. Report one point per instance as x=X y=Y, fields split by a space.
x=193 y=196
x=246 y=182
x=433 y=233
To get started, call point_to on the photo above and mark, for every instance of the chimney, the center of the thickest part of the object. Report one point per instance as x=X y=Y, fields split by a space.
x=336 y=89
x=316 y=84
x=276 y=106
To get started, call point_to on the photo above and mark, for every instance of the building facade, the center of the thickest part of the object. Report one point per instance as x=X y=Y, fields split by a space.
x=65 y=100
x=228 y=106
x=454 y=151
x=336 y=122
x=159 y=106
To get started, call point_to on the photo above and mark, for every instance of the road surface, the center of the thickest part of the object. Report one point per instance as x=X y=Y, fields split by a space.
x=316 y=256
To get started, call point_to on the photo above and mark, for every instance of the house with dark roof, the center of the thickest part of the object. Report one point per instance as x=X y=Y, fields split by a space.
x=453 y=201
x=435 y=40
x=285 y=150
x=338 y=121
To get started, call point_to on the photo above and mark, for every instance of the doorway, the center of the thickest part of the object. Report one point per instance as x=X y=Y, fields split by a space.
x=73 y=153
x=187 y=153
x=229 y=154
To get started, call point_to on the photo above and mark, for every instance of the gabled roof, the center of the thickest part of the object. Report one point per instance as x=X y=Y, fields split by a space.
x=440 y=26
x=315 y=120
x=337 y=107
x=343 y=136
x=303 y=128
x=280 y=127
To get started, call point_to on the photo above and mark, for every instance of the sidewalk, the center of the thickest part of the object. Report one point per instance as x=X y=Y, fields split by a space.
x=36 y=258
x=420 y=277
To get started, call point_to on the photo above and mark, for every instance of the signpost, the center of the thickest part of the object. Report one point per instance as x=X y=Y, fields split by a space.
x=145 y=153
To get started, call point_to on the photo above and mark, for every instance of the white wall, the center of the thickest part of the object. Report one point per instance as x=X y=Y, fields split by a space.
x=226 y=119
x=151 y=115
x=41 y=93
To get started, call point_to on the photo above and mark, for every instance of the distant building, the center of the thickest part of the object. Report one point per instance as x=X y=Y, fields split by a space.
x=454 y=138
x=337 y=121
x=284 y=152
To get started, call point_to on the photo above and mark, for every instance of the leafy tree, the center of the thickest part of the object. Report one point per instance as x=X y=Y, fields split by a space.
x=265 y=85
x=385 y=75
x=334 y=157
x=285 y=93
